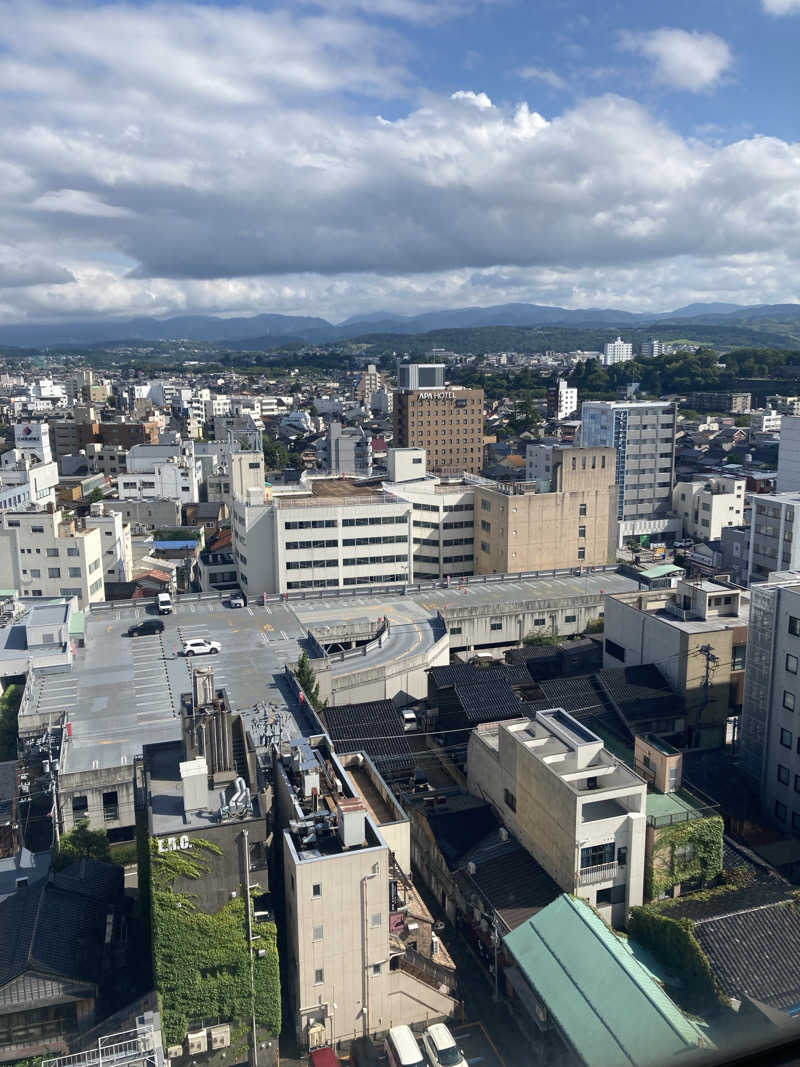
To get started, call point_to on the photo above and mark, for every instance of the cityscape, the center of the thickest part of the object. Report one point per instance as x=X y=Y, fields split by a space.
x=399 y=534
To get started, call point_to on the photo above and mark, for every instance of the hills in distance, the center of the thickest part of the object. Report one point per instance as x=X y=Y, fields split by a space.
x=272 y=331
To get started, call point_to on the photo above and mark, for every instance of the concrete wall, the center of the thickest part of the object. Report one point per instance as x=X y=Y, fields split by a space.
x=508 y=623
x=92 y=784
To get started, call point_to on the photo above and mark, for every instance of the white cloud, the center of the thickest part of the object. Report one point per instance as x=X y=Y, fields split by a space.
x=479 y=100
x=683 y=60
x=549 y=77
x=781 y=7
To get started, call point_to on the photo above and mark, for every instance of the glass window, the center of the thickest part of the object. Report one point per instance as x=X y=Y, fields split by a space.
x=783 y=774
x=319 y=976
x=786 y=738
x=791 y=663
x=788 y=700
x=794 y=626
x=595 y=855
x=316 y=889
x=780 y=811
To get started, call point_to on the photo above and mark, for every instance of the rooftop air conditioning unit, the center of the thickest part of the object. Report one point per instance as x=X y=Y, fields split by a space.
x=197 y=1042
x=220 y=1036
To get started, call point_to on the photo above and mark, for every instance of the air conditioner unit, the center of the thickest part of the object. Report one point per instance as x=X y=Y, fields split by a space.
x=316 y=1035
x=197 y=1042
x=220 y=1036
x=174 y=1052
x=435 y=945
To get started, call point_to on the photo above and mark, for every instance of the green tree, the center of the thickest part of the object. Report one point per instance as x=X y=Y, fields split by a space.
x=80 y=842
x=307 y=678
x=276 y=454
x=9 y=710
x=95 y=496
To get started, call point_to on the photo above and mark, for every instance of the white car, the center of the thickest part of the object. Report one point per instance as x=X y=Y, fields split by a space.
x=201 y=647
x=441 y=1049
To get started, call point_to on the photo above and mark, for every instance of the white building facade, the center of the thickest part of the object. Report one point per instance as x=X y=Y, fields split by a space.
x=45 y=555
x=708 y=505
x=618 y=351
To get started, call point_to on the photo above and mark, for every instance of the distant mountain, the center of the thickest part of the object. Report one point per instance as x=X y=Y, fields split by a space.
x=268 y=331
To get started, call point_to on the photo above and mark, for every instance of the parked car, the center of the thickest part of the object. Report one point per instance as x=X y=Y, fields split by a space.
x=441 y=1048
x=200 y=647
x=164 y=604
x=146 y=627
x=236 y=600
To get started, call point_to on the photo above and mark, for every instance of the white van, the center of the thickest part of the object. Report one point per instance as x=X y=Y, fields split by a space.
x=410 y=722
x=402 y=1049
x=164 y=603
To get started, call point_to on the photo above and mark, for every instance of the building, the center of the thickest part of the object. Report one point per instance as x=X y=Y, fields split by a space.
x=116 y=541
x=708 y=505
x=785 y=405
x=447 y=423
x=735 y=551
x=774 y=534
x=144 y=516
x=643 y=433
x=519 y=527
x=574 y=806
x=362 y=952
x=349 y=450
x=618 y=351
x=45 y=554
x=155 y=472
x=766 y=421
x=651 y=349
x=769 y=735
x=562 y=400
x=28 y=473
x=697 y=636
x=575 y=980
x=370 y=385
x=789 y=455
x=732 y=403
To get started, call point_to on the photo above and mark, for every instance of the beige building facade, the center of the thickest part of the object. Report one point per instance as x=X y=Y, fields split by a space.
x=446 y=422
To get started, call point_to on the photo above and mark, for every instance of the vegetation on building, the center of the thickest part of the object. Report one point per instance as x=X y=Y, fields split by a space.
x=81 y=842
x=675 y=946
x=307 y=680
x=9 y=711
x=687 y=853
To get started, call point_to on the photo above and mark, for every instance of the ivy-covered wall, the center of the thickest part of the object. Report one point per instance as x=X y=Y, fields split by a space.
x=688 y=852
x=673 y=943
x=201 y=962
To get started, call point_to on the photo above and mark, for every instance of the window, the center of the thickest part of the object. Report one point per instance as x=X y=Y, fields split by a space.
x=595 y=855
x=80 y=807
x=74 y=572
x=486 y=505
x=317 y=933
x=53 y=572
x=37 y=529
x=783 y=775
x=788 y=700
x=570 y=618
x=794 y=626
x=110 y=806
x=539 y=622
x=582 y=510
x=615 y=894
x=614 y=650
x=35 y=572
x=622 y=856
x=376 y=968
x=316 y=889
x=780 y=811
x=319 y=976
x=510 y=799
x=791 y=663
x=73 y=552
x=786 y=738
x=376 y=919
x=581 y=553
x=486 y=526
x=495 y=626
x=738 y=657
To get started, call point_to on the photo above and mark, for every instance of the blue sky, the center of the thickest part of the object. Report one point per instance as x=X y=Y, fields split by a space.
x=340 y=156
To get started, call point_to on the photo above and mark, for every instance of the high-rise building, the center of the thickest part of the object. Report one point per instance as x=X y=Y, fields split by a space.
x=789 y=455
x=618 y=351
x=562 y=400
x=447 y=423
x=651 y=348
x=643 y=433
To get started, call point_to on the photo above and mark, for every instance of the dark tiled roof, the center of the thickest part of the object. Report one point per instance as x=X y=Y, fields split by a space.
x=374 y=728
x=466 y=674
x=641 y=692
x=754 y=953
x=513 y=882
x=457 y=831
x=573 y=695
x=550 y=653
x=489 y=703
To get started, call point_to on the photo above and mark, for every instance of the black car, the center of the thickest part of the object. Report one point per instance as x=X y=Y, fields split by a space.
x=148 y=626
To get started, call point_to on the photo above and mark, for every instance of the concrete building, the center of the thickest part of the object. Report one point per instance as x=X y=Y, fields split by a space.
x=574 y=806
x=572 y=523
x=144 y=516
x=362 y=952
x=651 y=349
x=774 y=534
x=442 y=520
x=116 y=540
x=413 y=376
x=784 y=405
x=43 y=554
x=766 y=421
x=769 y=735
x=348 y=450
x=789 y=455
x=618 y=351
x=371 y=388
x=447 y=423
x=708 y=505
x=732 y=403
x=28 y=473
x=696 y=635
x=562 y=400
x=643 y=433
x=156 y=472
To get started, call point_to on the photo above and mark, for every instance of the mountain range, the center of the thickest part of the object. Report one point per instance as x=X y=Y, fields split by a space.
x=273 y=330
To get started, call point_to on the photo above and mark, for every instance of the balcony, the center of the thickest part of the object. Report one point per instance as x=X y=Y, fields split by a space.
x=602 y=872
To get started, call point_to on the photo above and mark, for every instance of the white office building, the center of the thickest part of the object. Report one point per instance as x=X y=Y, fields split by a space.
x=156 y=472
x=43 y=554
x=618 y=351
x=766 y=421
x=774 y=534
x=708 y=505
x=562 y=400
x=28 y=472
x=643 y=433
x=652 y=348
x=115 y=534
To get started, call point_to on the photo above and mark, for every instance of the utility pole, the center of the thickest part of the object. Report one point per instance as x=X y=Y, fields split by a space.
x=712 y=660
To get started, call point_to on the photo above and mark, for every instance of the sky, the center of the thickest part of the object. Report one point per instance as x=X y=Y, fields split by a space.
x=342 y=157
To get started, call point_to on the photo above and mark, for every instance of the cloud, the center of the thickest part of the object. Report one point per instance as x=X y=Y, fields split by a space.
x=781 y=7
x=549 y=77
x=683 y=60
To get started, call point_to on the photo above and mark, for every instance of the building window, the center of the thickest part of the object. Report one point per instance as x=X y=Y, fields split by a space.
x=376 y=919
x=786 y=738
x=319 y=976
x=780 y=811
x=570 y=618
x=455 y=630
x=581 y=531
x=581 y=553
x=486 y=505
x=615 y=894
x=510 y=799
x=582 y=509
x=110 y=806
x=622 y=856
x=738 y=657
x=316 y=889
x=317 y=933
x=495 y=626
x=539 y=622
x=53 y=572
x=614 y=650
x=80 y=808
x=376 y=968
x=783 y=775
x=794 y=626
x=486 y=526
x=788 y=700
x=595 y=855
x=791 y=663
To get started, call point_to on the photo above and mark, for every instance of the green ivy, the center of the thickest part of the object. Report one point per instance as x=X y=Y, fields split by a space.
x=673 y=943
x=686 y=852
x=202 y=962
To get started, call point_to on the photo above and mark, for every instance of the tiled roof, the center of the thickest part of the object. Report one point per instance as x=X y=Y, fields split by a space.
x=641 y=692
x=457 y=831
x=755 y=952
x=488 y=703
x=374 y=728
x=512 y=881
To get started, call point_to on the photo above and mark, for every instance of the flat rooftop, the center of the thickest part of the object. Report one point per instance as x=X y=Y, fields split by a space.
x=332 y=487
x=680 y=806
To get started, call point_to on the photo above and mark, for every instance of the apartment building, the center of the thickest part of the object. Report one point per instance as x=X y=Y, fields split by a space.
x=578 y=810
x=789 y=455
x=652 y=348
x=348 y=450
x=44 y=554
x=116 y=540
x=562 y=400
x=524 y=527
x=696 y=634
x=708 y=505
x=370 y=384
x=774 y=534
x=446 y=422
x=766 y=421
x=618 y=351
x=769 y=735
x=442 y=520
x=643 y=433
x=162 y=471
x=785 y=405
x=733 y=403
x=144 y=516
